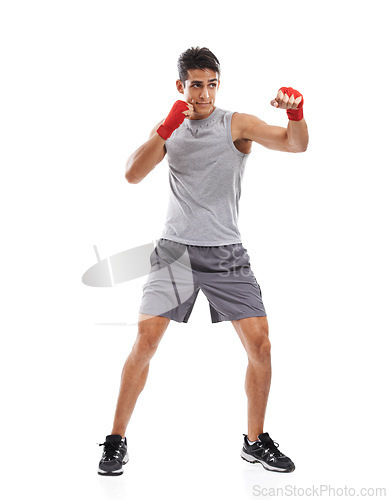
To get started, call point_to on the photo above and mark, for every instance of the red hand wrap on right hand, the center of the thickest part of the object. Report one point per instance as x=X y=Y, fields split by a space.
x=173 y=120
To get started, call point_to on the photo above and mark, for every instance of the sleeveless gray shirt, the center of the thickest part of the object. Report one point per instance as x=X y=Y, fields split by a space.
x=205 y=176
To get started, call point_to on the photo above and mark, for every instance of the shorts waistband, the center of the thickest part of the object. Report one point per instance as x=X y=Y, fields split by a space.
x=201 y=246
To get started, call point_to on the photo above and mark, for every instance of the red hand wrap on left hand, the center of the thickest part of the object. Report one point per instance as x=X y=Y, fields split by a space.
x=294 y=114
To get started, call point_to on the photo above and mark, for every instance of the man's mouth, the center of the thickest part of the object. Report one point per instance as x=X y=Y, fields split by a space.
x=203 y=103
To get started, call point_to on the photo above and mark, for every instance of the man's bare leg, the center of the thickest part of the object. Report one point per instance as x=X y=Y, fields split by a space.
x=254 y=335
x=136 y=368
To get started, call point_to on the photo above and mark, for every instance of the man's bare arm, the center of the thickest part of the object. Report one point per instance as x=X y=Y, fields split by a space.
x=293 y=139
x=146 y=157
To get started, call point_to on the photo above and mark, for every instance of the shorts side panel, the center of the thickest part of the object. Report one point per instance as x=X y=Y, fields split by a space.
x=233 y=293
x=171 y=289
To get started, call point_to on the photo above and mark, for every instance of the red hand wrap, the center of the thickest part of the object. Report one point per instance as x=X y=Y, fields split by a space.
x=173 y=120
x=294 y=114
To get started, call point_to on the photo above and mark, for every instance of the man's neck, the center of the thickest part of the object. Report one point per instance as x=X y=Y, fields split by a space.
x=199 y=117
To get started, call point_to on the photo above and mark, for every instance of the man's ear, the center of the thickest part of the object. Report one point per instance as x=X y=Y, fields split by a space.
x=180 y=86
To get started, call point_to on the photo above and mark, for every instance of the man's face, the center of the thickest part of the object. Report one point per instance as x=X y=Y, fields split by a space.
x=200 y=90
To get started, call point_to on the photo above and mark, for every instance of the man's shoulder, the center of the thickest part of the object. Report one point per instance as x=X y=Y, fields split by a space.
x=243 y=122
x=238 y=118
x=238 y=121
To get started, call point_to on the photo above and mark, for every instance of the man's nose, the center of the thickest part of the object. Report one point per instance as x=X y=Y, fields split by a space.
x=204 y=94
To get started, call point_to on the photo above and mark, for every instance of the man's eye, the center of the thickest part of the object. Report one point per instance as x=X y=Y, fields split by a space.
x=197 y=85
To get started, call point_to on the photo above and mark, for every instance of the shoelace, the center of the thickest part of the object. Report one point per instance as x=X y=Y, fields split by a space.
x=110 y=450
x=272 y=446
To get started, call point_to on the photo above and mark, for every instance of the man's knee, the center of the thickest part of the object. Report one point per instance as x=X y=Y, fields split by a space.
x=257 y=343
x=254 y=334
x=259 y=350
x=143 y=349
x=150 y=332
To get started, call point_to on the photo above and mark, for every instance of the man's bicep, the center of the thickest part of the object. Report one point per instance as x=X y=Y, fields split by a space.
x=269 y=136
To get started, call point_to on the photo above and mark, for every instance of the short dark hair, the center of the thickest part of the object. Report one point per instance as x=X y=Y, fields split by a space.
x=196 y=58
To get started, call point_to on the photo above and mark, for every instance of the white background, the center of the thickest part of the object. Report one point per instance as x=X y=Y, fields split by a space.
x=83 y=83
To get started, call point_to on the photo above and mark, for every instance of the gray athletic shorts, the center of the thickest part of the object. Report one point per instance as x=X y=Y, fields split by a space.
x=178 y=271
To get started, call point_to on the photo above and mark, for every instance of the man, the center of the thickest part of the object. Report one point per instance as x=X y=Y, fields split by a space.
x=207 y=148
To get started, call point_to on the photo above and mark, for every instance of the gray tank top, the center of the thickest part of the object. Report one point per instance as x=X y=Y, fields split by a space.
x=205 y=175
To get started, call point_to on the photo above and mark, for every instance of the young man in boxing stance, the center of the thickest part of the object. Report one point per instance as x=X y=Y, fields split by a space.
x=207 y=148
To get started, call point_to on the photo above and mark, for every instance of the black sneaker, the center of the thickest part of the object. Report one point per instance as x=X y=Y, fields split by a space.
x=266 y=452
x=114 y=456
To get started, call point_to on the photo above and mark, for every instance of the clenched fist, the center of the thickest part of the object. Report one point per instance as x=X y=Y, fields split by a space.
x=291 y=100
x=180 y=110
